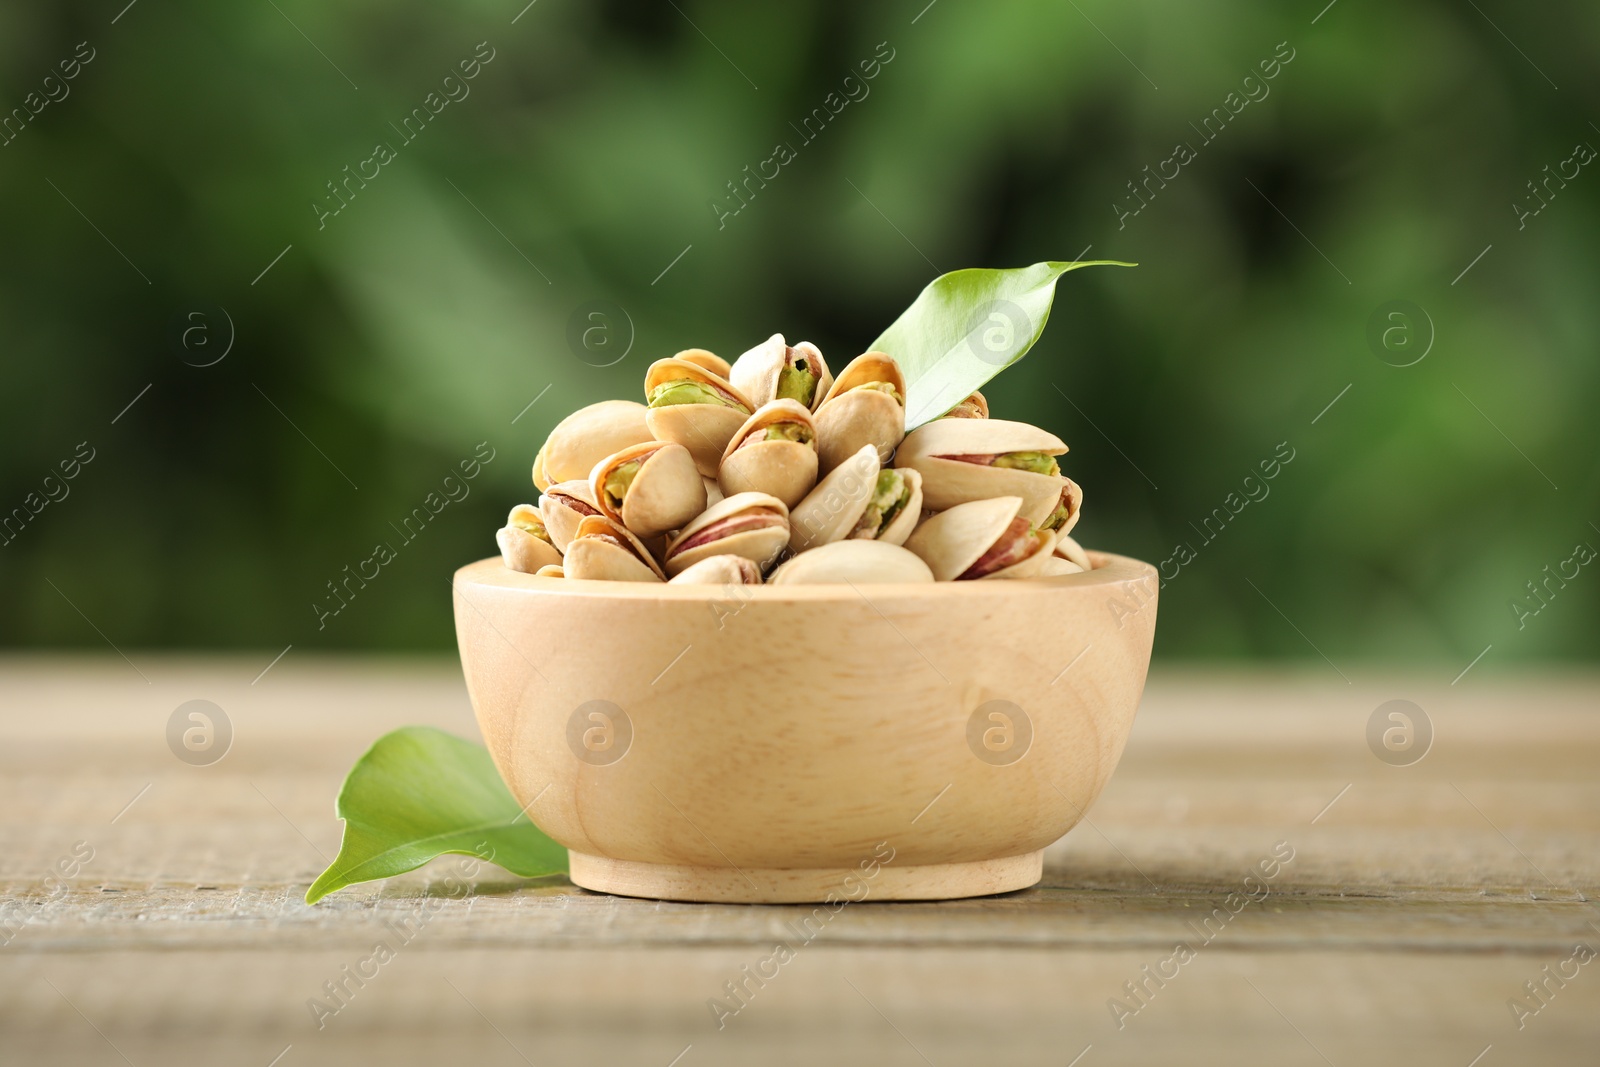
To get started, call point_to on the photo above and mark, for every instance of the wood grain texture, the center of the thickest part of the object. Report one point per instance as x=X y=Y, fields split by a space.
x=1417 y=903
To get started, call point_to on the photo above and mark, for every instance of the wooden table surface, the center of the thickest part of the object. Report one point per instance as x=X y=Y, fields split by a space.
x=1419 y=901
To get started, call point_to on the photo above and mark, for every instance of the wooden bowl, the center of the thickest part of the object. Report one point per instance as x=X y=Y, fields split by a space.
x=806 y=743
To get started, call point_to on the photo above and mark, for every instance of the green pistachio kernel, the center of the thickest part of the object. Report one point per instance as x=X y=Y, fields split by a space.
x=789 y=431
x=620 y=478
x=1036 y=462
x=880 y=387
x=890 y=496
x=1057 y=518
x=534 y=525
x=797 y=383
x=688 y=391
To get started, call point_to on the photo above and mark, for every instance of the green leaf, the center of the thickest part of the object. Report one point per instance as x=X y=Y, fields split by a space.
x=968 y=326
x=419 y=793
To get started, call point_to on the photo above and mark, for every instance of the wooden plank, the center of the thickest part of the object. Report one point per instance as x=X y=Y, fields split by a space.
x=1418 y=901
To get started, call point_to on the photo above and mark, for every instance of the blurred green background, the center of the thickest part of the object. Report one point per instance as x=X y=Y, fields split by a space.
x=578 y=169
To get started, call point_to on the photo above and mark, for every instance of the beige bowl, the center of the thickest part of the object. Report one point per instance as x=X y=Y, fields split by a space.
x=806 y=743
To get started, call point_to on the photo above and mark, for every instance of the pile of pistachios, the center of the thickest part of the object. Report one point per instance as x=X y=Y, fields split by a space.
x=774 y=470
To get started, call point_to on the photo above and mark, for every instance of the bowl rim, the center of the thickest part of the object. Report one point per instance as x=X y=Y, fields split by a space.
x=1110 y=571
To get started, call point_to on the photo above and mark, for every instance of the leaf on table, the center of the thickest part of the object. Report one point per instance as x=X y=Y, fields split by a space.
x=419 y=793
x=968 y=326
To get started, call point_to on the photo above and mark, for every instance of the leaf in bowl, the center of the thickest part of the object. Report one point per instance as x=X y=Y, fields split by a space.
x=968 y=326
x=419 y=793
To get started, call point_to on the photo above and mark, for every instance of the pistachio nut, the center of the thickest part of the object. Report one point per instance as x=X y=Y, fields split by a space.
x=587 y=436
x=855 y=562
x=982 y=539
x=963 y=460
x=774 y=371
x=720 y=570
x=752 y=525
x=524 y=543
x=605 y=549
x=691 y=406
x=714 y=491
x=649 y=488
x=563 y=507
x=775 y=452
x=865 y=406
x=831 y=510
x=893 y=509
x=551 y=570
x=1068 y=549
x=973 y=407
x=1066 y=512
x=709 y=360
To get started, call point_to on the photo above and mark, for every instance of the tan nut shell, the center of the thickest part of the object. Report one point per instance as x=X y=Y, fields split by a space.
x=702 y=358
x=589 y=557
x=830 y=511
x=857 y=562
x=1056 y=566
x=704 y=429
x=759 y=546
x=1068 y=549
x=849 y=418
x=714 y=493
x=666 y=492
x=756 y=372
x=954 y=540
x=721 y=570
x=587 y=436
x=784 y=469
x=551 y=570
x=519 y=549
x=901 y=525
x=980 y=406
x=561 y=518
x=948 y=482
x=1074 y=494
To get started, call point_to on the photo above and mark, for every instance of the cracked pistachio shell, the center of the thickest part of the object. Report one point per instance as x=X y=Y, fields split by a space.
x=830 y=511
x=592 y=553
x=725 y=569
x=587 y=436
x=954 y=540
x=704 y=429
x=757 y=372
x=714 y=491
x=520 y=548
x=948 y=482
x=850 y=416
x=784 y=469
x=702 y=358
x=760 y=542
x=563 y=507
x=901 y=525
x=665 y=493
x=1068 y=549
x=975 y=406
x=551 y=570
x=856 y=561
x=1072 y=497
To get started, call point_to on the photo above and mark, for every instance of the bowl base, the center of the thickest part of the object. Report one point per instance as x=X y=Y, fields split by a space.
x=804 y=885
